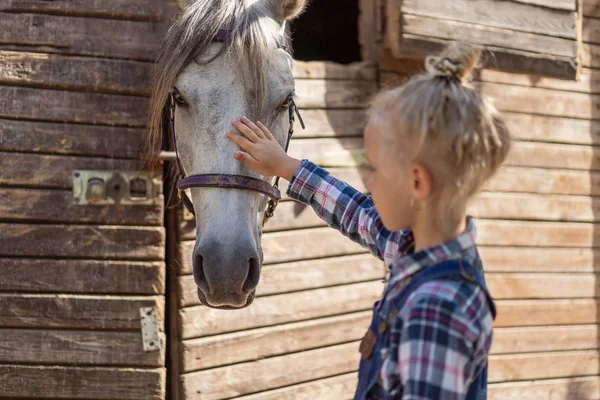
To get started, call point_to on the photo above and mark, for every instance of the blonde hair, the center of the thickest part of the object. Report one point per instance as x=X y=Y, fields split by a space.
x=449 y=128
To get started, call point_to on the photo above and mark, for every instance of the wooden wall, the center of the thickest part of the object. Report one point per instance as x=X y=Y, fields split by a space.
x=298 y=340
x=74 y=83
x=538 y=228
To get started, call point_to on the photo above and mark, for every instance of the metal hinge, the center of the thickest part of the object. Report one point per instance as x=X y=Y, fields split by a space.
x=107 y=187
x=150 y=331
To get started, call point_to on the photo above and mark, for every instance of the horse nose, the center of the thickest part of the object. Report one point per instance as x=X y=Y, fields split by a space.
x=226 y=276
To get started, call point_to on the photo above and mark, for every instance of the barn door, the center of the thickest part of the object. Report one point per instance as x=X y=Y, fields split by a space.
x=76 y=279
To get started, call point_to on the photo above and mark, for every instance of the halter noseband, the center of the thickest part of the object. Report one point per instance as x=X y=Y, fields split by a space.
x=227 y=181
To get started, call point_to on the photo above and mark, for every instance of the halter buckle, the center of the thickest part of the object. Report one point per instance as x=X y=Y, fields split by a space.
x=270 y=211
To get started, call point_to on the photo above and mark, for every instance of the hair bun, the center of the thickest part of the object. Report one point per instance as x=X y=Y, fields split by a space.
x=457 y=61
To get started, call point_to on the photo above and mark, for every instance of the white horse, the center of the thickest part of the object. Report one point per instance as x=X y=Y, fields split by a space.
x=214 y=78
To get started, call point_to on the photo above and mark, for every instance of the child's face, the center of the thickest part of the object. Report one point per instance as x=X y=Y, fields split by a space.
x=387 y=179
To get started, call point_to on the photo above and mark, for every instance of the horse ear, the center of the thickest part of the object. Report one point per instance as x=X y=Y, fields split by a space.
x=287 y=9
x=183 y=4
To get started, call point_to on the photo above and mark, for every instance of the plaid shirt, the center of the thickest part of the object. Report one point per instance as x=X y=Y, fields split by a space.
x=443 y=333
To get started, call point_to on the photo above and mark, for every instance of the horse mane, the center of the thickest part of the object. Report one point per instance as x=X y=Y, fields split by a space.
x=252 y=33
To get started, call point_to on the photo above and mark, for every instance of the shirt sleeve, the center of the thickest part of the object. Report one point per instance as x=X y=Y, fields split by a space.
x=346 y=209
x=436 y=350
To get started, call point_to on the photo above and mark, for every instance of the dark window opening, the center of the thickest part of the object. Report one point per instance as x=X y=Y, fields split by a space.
x=327 y=31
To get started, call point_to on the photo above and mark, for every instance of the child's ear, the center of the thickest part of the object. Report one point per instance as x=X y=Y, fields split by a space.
x=421 y=182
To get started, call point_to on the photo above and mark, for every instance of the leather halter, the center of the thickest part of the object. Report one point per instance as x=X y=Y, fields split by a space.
x=228 y=181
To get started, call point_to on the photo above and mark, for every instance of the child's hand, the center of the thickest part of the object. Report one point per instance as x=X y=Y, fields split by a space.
x=263 y=153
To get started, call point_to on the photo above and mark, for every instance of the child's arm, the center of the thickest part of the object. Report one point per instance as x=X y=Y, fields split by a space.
x=337 y=203
x=346 y=209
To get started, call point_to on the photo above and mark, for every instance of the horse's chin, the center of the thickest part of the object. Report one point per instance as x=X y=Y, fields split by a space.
x=204 y=301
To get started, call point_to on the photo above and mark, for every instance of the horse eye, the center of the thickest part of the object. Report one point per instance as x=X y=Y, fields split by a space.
x=287 y=103
x=179 y=100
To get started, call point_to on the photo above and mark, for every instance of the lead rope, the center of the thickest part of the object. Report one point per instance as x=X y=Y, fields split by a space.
x=272 y=204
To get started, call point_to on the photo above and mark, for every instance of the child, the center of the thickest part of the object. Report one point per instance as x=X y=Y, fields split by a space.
x=430 y=144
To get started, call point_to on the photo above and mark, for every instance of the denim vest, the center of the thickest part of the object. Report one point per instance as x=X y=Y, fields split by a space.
x=457 y=270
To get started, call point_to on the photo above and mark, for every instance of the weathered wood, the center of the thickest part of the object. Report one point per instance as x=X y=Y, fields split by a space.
x=82 y=383
x=271 y=310
x=543 y=286
x=569 y=5
x=499 y=58
x=261 y=343
x=56 y=172
x=314 y=93
x=564 y=389
x=591 y=30
x=57 y=206
x=82 y=276
x=331 y=123
x=64 y=106
x=43 y=346
x=299 y=367
x=590 y=55
x=302 y=275
x=336 y=388
x=138 y=40
x=370 y=28
x=75 y=73
x=71 y=139
x=591 y=8
x=539 y=259
x=503 y=14
x=546 y=338
x=545 y=181
x=553 y=129
x=331 y=70
x=546 y=312
x=484 y=34
x=102 y=242
x=551 y=155
x=565 y=364
x=148 y=10
x=315 y=148
x=75 y=311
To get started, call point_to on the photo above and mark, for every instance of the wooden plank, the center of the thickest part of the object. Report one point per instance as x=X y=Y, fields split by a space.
x=314 y=93
x=82 y=276
x=63 y=311
x=546 y=312
x=299 y=367
x=75 y=73
x=553 y=129
x=539 y=259
x=591 y=8
x=279 y=309
x=545 y=338
x=564 y=389
x=316 y=148
x=64 y=106
x=543 y=286
x=138 y=40
x=565 y=364
x=590 y=55
x=56 y=172
x=81 y=241
x=82 y=383
x=43 y=346
x=591 y=30
x=335 y=388
x=332 y=70
x=302 y=275
x=330 y=123
x=71 y=139
x=261 y=343
x=483 y=34
x=20 y=205
x=569 y=5
x=553 y=155
x=148 y=10
x=503 y=14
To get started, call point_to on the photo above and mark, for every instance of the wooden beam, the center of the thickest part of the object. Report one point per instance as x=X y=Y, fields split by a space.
x=20 y=205
x=273 y=310
x=591 y=30
x=543 y=286
x=545 y=338
x=331 y=70
x=51 y=171
x=71 y=139
x=302 y=275
x=138 y=40
x=82 y=348
x=330 y=123
x=82 y=241
x=82 y=276
x=567 y=389
x=82 y=383
x=76 y=311
x=313 y=93
x=546 y=312
x=591 y=8
x=507 y=14
x=569 y=5
x=539 y=259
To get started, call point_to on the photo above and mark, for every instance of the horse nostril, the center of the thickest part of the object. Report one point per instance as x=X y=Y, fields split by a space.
x=199 y=276
x=253 y=275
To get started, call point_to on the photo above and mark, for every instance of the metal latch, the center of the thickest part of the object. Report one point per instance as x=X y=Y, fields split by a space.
x=115 y=187
x=150 y=331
